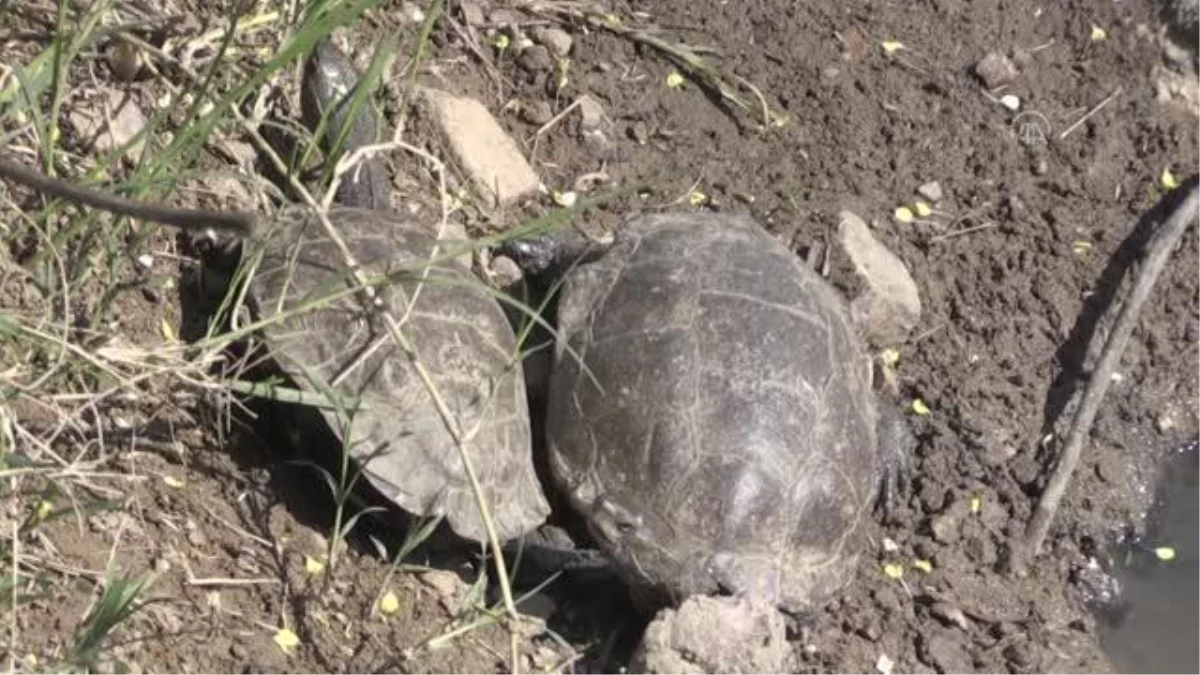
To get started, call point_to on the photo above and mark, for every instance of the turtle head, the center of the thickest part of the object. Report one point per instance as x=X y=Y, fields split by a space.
x=550 y=255
x=639 y=542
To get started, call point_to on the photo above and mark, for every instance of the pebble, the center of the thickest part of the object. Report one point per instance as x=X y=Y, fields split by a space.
x=536 y=59
x=890 y=306
x=995 y=69
x=639 y=132
x=950 y=615
x=944 y=527
x=537 y=112
x=931 y=191
x=504 y=272
x=557 y=40
x=107 y=125
x=591 y=113
x=945 y=653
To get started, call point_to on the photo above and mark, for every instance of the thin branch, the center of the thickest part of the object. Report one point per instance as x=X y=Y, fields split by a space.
x=1158 y=249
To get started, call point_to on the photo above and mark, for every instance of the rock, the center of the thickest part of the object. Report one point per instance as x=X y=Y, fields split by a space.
x=540 y=605
x=591 y=113
x=504 y=272
x=941 y=650
x=931 y=191
x=944 y=527
x=472 y=12
x=1019 y=656
x=124 y=60
x=109 y=125
x=996 y=69
x=537 y=112
x=950 y=615
x=449 y=588
x=890 y=306
x=557 y=40
x=536 y=59
x=714 y=635
x=482 y=148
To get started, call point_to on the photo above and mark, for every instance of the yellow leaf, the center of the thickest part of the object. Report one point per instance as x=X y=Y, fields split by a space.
x=891 y=46
x=893 y=570
x=697 y=198
x=312 y=565
x=1081 y=247
x=173 y=482
x=674 y=80
x=1165 y=553
x=44 y=508
x=890 y=357
x=923 y=565
x=923 y=209
x=1099 y=34
x=168 y=333
x=287 y=640
x=1168 y=179
x=389 y=603
x=904 y=214
x=501 y=41
x=976 y=504
x=919 y=407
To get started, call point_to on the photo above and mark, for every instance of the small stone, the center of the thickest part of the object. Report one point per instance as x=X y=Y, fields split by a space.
x=109 y=123
x=639 y=132
x=591 y=113
x=996 y=69
x=537 y=112
x=557 y=40
x=536 y=59
x=950 y=615
x=942 y=651
x=446 y=585
x=504 y=271
x=944 y=527
x=1019 y=655
x=714 y=635
x=486 y=153
x=124 y=60
x=197 y=538
x=891 y=305
x=412 y=13
x=472 y=12
x=931 y=191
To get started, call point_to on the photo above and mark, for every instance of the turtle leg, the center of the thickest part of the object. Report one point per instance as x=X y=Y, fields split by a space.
x=895 y=445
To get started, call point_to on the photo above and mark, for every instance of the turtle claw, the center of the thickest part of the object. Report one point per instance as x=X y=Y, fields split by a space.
x=896 y=446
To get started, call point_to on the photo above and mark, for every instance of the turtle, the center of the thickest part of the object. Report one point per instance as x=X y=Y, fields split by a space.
x=710 y=411
x=330 y=339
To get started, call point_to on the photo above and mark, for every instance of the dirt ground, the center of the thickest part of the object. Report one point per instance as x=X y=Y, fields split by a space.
x=1040 y=218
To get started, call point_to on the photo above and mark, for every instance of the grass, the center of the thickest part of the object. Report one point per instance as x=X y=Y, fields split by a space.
x=64 y=367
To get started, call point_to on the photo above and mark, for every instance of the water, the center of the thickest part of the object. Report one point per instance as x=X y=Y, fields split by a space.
x=1157 y=630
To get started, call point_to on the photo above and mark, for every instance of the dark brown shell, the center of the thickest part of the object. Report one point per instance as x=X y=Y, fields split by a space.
x=722 y=435
x=457 y=329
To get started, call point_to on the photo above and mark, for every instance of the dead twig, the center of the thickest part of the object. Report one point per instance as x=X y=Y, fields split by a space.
x=1088 y=115
x=1158 y=249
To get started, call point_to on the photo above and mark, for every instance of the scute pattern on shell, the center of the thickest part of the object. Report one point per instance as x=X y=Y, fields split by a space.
x=459 y=332
x=728 y=439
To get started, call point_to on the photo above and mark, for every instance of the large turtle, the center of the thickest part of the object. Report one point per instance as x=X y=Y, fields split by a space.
x=330 y=339
x=455 y=326
x=713 y=419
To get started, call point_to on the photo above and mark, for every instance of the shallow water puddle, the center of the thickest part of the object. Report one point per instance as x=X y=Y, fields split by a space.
x=1156 y=630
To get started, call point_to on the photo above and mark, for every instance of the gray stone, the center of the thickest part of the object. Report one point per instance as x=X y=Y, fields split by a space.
x=591 y=113
x=481 y=147
x=890 y=306
x=714 y=635
x=996 y=69
x=931 y=191
x=944 y=527
x=536 y=59
x=557 y=40
x=941 y=650
x=110 y=122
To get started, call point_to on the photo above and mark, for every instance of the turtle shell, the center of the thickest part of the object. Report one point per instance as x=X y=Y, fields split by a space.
x=711 y=414
x=334 y=343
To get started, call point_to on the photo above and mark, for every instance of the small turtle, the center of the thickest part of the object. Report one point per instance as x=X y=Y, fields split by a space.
x=327 y=336
x=710 y=412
